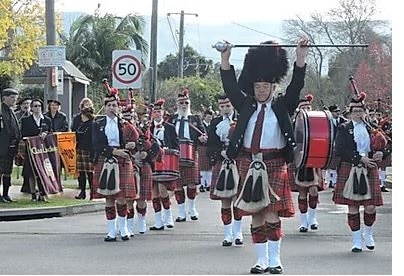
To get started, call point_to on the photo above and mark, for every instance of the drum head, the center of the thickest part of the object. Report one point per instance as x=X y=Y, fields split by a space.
x=314 y=133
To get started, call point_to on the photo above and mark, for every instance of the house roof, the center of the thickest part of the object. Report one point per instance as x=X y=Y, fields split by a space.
x=69 y=70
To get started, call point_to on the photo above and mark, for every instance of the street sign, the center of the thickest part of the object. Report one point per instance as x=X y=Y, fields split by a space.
x=126 y=69
x=51 y=55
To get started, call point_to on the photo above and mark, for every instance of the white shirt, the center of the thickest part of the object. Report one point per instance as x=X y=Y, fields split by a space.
x=361 y=137
x=158 y=132
x=271 y=130
x=186 y=127
x=38 y=119
x=112 y=132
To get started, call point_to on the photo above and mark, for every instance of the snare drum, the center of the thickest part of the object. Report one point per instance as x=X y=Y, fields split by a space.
x=187 y=153
x=314 y=134
x=169 y=167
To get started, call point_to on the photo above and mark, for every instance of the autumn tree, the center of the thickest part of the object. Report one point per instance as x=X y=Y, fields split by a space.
x=22 y=32
x=349 y=23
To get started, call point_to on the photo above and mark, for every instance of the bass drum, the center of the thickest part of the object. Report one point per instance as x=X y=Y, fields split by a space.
x=314 y=134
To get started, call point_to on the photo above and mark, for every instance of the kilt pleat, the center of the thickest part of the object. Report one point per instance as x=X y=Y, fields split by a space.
x=296 y=188
x=146 y=182
x=189 y=175
x=374 y=185
x=84 y=163
x=204 y=160
x=126 y=179
x=278 y=180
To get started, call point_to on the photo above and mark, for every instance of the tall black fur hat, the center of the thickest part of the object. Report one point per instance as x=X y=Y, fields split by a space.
x=268 y=64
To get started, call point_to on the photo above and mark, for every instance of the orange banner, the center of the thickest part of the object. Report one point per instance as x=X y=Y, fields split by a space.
x=67 y=150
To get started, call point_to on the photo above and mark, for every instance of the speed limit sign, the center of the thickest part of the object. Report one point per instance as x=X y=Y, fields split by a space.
x=126 y=69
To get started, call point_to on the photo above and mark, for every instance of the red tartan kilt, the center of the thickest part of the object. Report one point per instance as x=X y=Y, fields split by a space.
x=146 y=183
x=170 y=185
x=374 y=185
x=189 y=175
x=296 y=188
x=204 y=160
x=385 y=162
x=278 y=180
x=126 y=179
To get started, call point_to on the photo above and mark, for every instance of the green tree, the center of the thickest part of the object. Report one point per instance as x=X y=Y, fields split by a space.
x=194 y=65
x=92 y=38
x=203 y=92
x=22 y=32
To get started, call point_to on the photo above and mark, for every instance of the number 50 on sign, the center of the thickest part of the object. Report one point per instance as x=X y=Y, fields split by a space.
x=126 y=69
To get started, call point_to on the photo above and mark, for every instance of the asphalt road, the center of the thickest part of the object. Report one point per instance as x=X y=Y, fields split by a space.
x=74 y=245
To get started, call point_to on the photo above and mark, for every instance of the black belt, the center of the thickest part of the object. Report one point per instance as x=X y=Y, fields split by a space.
x=265 y=156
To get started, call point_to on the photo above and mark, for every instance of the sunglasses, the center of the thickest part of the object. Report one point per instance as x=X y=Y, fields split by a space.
x=36 y=105
x=183 y=102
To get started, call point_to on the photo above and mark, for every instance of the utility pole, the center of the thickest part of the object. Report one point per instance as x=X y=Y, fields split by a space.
x=181 y=42
x=51 y=73
x=153 y=52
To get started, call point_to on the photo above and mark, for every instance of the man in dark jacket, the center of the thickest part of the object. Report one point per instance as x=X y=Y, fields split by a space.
x=9 y=137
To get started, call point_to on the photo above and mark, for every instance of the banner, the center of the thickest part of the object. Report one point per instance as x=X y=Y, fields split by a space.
x=45 y=160
x=67 y=151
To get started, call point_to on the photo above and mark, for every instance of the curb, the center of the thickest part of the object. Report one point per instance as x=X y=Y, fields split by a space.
x=32 y=213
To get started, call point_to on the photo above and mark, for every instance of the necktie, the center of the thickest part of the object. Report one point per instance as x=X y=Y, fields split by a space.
x=256 y=138
x=181 y=130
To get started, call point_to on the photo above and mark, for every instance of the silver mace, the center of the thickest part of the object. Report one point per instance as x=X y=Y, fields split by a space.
x=222 y=46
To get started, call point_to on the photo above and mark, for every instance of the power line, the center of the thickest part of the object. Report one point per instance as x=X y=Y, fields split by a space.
x=172 y=33
x=260 y=32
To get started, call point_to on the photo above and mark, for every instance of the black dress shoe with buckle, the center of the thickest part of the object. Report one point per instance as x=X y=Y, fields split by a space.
x=194 y=217
x=180 y=219
x=157 y=228
x=314 y=227
x=276 y=270
x=125 y=238
x=356 y=250
x=238 y=241
x=257 y=269
x=226 y=243
x=303 y=229
x=109 y=239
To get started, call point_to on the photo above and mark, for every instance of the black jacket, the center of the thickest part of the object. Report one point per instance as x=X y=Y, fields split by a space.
x=192 y=120
x=29 y=128
x=170 y=136
x=59 y=122
x=283 y=107
x=9 y=131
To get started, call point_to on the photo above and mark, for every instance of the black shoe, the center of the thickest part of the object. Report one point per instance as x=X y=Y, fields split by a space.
x=180 y=219
x=2 y=200
x=169 y=226
x=314 y=226
x=238 y=242
x=226 y=243
x=7 y=198
x=202 y=189
x=125 y=238
x=384 y=189
x=194 y=217
x=356 y=250
x=80 y=196
x=34 y=197
x=156 y=228
x=257 y=269
x=276 y=270
x=207 y=189
x=303 y=229
x=370 y=247
x=109 y=239
x=331 y=185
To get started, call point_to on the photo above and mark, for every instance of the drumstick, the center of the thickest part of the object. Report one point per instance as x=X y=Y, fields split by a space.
x=191 y=125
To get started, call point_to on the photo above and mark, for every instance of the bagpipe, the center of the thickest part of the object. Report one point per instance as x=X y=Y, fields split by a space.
x=378 y=138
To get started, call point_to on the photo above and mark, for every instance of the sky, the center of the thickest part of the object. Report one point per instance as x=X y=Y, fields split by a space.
x=218 y=11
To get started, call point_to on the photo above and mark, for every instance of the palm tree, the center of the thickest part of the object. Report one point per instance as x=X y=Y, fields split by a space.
x=93 y=38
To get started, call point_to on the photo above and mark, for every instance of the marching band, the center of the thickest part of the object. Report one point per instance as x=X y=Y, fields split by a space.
x=136 y=152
